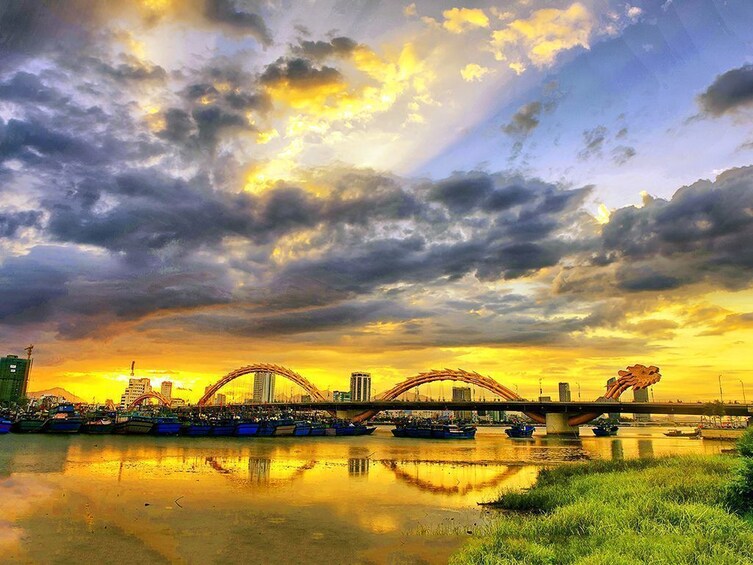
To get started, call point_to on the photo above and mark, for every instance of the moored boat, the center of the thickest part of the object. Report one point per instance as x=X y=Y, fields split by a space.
x=5 y=426
x=605 y=430
x=302 y=429
x=452 y=431
x=246 y=429
x=166 y=426
x=363 y=430
x=63 y=420
x=196 y=429
x=102 y=425
x=680 y=433
x=134 y=424
x=318 y=429
x=222 y=428
x=520 y=431
x=29 y=425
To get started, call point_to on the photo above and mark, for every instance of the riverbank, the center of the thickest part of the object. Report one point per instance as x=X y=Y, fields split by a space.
x=664 y=510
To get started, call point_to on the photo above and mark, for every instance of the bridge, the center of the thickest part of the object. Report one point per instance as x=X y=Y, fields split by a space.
x=559 y=417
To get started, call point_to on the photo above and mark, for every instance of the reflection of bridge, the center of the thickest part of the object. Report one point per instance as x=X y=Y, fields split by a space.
x=428 y=486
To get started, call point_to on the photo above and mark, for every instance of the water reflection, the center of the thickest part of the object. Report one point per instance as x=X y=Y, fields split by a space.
x=360 y=499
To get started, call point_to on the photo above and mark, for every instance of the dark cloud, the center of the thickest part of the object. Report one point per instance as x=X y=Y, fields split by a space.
x=730 y=91
x=525 y=120
x=593 y=142
x=228 y=13
x=337 y=47
x=299 y=73
x=130 y=69
x=622 y=154
x=12 y=222
x=25 y=87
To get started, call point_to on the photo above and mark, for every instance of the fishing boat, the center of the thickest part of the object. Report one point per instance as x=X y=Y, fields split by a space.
x=166 y=426
x=452 y=431
x=680 y=433
x=318 y=429
x=222 y=428
x=363 y=430
x=302 y=429
x=520 y=431
x=196 y=429
x=605 y=430
x=63 y=419
x=5 y=426
x=134 y=424
x=283 y=427
x=28 y=425
x=246 y=428
x=98 y=425
x=412 y=430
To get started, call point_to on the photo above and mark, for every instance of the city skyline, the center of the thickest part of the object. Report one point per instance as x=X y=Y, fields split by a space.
x=540 y=190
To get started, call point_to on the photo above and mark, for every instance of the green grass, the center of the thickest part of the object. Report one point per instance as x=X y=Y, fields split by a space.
x=668 y=510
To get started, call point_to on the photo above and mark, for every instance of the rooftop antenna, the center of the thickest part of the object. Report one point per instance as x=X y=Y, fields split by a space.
x=29 y=350
x=133 y=364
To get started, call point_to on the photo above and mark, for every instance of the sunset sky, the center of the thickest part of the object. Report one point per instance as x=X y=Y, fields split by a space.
x=531 y=189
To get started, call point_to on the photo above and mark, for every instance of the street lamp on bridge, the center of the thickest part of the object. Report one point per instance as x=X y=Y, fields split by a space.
x=742 y=384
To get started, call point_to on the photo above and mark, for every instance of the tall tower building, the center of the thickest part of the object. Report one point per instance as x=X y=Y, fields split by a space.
x=360 y=387
x=167 y=389
x=14 y=377
x=264 y=387
x=641 y=395
x=564 y=392
x=462 y=394
x=135 y=388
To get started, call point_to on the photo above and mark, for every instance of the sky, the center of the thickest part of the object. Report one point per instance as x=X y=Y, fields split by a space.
x=534 y=190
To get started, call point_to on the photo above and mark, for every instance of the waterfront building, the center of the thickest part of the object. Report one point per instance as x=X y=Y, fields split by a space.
x=340 y=396
x=641 y=395
x=220 y=399
x=135 y=388
x=360 y=387
x=167 y=389
x=462 y=394
x=264 y=387
x=564 y=392
x=14 y=377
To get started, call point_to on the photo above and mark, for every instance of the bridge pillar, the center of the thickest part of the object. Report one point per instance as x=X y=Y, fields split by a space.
x=556 y=425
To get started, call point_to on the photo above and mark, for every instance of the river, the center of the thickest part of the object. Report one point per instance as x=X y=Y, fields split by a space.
x=371 y=499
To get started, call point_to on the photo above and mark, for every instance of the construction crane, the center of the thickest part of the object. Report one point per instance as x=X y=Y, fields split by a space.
x=133 y=364
x=29 y=350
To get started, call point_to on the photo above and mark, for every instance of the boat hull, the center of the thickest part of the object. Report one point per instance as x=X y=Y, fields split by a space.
x=5 y=426
x=247 y=429
x=284 y=430
x=27 y=426
x=97 y=428
x=62 y=426
x=302 y=429
x=434 y=432
x=134 y=427
x=520 y=432
x=223 y=430
x=166 y=428
x=197 y=430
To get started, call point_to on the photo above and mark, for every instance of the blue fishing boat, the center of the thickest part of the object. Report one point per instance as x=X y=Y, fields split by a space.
x=520 y=431
x=166 y=426
x=247 y=429
x=318 y=429
x=196 y=429
x=5 y=426
x=223 y=428
x=63 y=420
x=412 y=430
x=277 y=428
x=363 y=430
x=302 y=429
x=605 y=430
x=451 y=431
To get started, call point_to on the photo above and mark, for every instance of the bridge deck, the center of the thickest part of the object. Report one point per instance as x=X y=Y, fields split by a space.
x=680 y=408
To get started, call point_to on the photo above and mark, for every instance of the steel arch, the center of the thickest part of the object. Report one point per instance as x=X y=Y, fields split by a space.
x=258 y=368
x=147 y=395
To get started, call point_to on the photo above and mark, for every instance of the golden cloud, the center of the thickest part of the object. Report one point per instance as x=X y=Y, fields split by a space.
x=542 y=36
x=473 y=72
x=458 y=20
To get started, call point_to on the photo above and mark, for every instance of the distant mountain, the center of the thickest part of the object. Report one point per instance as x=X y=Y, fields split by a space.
x=57 y=391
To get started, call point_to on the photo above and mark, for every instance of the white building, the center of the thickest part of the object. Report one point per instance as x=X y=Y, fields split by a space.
x=135 y=388
x=360 y=387
x=264 y=387
x=167 y=389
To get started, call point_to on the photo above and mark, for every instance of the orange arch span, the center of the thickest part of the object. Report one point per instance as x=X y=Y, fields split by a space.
x=163 y=400
x=259 y=368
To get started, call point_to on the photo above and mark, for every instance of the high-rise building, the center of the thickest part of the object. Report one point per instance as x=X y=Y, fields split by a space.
x=135 y=388
x=641 y=395
x=462 y=394
x=14 y=377
x=340 y=396
x=220 y=399
x=564 y=392
x=264 y=387
x=167 y=389
x=360 y=387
